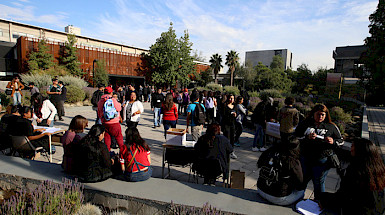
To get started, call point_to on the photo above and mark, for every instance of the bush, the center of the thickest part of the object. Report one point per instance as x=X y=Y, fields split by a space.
x=273 y=93
x=200 y=89
x=184 y=210
x=254 y=94
x=5 y=100
x=75 y=94
x=73 y=81
x=214 y=87
x=89 y=91
x=39 y=80
x=340 y=117
x=47 y=198
x=232 y=90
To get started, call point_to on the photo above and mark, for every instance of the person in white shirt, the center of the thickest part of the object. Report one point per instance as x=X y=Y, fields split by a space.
x=132 y=110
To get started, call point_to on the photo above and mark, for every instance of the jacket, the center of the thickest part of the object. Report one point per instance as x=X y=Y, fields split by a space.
x=171 y=115
x=136 y=106
x=156 y=100
x=288 y=118
x=11 y=85
x=47 y=109
x=117 y=106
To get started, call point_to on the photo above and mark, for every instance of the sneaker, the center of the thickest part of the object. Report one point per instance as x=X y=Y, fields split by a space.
x=154 y=126
x=233 y=156
x=237 y=144
x=61 y=119
x=255 y=149
x=262 y=149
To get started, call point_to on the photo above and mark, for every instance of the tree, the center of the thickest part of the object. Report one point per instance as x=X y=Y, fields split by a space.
x=216 y=65
x=302 y=78
x=198 y=56
x=232 y=59
x=40 y=59
x=101 y=75
x=374 y=57
x=267 y=78
x=277 y=63
x=248 y=73
x=186 y=64
x=70 y=58
x=205 y=77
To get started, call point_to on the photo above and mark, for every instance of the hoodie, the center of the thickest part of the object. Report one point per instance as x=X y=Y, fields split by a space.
x=117 y=106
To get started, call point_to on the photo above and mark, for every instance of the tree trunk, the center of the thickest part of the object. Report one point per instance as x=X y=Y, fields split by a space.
x=216 y=80
x=231 y=77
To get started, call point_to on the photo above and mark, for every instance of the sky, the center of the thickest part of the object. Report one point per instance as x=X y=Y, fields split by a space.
x=310 y=29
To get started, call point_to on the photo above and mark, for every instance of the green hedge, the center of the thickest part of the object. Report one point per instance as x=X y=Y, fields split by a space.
x=232 y=90
x=214 y=87
x=75 y=94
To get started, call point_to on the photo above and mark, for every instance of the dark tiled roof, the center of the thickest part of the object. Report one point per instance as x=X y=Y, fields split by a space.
x=349 y=51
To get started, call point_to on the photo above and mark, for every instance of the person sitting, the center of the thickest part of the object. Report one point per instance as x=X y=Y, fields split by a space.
x=135 y=157
x=11 y=115
x=212 y=151
x=280 y=178
x=72 y=136
x=362 y=188
x=22 y=126
x=91 y=161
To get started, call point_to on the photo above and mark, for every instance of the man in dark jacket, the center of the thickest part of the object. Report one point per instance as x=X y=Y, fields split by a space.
x=156 y=104
x=62 y=99
x=96 y=96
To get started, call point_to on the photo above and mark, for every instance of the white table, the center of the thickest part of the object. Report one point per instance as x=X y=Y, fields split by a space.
x=51 y=130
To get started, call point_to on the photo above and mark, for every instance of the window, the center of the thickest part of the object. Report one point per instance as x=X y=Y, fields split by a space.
x=15 y=35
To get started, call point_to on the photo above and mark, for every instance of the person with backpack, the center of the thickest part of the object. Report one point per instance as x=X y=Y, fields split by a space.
x=185 y=101
x=132 y=110
x=108 y=113
x=210 y=105
x=96 y=96
x=261 y=115
x=280 y=178
x=228 y=121
x=195 y=116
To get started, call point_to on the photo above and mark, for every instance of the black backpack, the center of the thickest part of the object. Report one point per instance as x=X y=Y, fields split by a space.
x=96 y=97
x=199 y=116
x=271 y=172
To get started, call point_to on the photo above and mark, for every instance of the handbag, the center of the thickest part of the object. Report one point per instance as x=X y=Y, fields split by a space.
x=8 y=92
x=44 y=122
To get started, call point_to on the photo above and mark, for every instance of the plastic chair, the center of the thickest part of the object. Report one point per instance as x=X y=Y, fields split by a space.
x=24 y=147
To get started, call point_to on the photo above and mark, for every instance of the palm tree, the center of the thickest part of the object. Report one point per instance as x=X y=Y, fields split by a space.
x=216 y=64
x=232 y=59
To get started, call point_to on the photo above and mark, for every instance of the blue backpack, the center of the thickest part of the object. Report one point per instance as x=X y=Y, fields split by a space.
x=109 y=110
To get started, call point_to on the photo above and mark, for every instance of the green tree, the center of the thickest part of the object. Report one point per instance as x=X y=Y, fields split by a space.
x=198 y=56
x=248 y=73
x=69 y=58
x=205 y=77
x=101 y=75
x=277 y=63
x=216 y=65
x=374 y=57
x=302 y=78
x=40 y=59
x=186 y=63
x=232 y=59
x=267 y=78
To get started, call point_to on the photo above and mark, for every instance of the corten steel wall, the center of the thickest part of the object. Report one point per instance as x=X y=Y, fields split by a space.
x=117 y=63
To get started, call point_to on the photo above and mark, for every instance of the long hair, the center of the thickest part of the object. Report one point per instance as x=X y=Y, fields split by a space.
x=169 y=101
x=78 y=123
x=133 y=137
x=37 y=100
x=323 y=108
x=239 y=99
x=212 y=130
x=368 y=163
x=228 y=98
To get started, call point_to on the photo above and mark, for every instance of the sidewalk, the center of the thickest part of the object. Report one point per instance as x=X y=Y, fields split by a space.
x=376 y=126
x=246 y=162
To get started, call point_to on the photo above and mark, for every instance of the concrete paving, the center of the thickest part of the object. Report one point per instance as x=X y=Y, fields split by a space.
x=246 y=161
x=376 y=126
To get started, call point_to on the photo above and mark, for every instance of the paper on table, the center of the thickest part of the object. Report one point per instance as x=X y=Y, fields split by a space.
x=308 y=207
x=48 y=129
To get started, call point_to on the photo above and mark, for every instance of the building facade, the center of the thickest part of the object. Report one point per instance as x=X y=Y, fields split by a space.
x=347 y=59
x=266 y=57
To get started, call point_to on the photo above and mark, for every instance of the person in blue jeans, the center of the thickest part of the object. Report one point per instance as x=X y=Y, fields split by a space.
x=156 y=105
x=319 y=139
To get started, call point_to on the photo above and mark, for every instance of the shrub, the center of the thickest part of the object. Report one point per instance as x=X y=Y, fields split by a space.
x=75 y=94
x=47 y=198
x=200 y=89
x=89 y=91
x=5 y=100
x=231 y=90
x=253 y=103
x=184 y=210
x=340 y=117
x=214 y=87
x=73 y=81
x=89 y=209
x=39 y=80
x=254 y=94
x=273 y=93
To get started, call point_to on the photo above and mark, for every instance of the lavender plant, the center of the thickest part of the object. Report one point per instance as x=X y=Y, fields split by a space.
x=186 y=210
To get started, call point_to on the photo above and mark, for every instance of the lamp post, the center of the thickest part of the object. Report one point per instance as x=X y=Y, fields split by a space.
x=93 y=72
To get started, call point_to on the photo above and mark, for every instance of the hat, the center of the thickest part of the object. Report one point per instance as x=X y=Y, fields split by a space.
x=108 y=90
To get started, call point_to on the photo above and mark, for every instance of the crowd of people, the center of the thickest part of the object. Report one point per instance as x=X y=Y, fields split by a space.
x=306 y=151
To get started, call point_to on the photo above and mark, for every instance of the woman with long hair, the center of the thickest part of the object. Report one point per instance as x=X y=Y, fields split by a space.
x=210 y=104
x=43 y=110
x=212 y=150
x=92 y=161
x=71 y=137
x=132 y=110
x=320 y=136
x=362 y=187
x=135 y=157
x=170 y=113
x=241 y=113
x=228 y=121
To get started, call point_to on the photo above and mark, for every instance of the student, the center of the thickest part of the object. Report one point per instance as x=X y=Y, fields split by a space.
x=111 y=122
x=135 y=157
x=62 y=99
x=43 y=110
x=212 y=151
x=170 y=113
x=210 y=105
x=33 y=89
x=16 y=86
x=288 y=118
x=156 y=105
x=96 y=96
x=71 y=137
x=132 y=110
x=362 y=186
x=241 y=114
x=54 y=92
x=320 y=136
x=92 y=162
x=261 y=115
x=228 y=121
x=280 y=178
x=196 y=127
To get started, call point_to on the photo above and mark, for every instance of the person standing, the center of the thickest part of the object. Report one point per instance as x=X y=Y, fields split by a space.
x=288 y=118
x=170 y=113
x=241 y=113
x=33 y=89
x=261 y=115
x=108 y=113
x=196 y=127
x=96 y=96
x=145 y=93
x=210 y=104
x=62 y=99
x=54 y=92
x=228 y=121
x=16 y=86
x=156 y=105
x=132 y=110
x=186 y=100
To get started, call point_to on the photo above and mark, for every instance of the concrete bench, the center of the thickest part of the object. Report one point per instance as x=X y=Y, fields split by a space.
x=148 y=197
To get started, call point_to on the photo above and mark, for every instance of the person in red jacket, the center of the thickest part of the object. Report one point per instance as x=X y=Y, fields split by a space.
x=170 y=113
x=112 y=125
